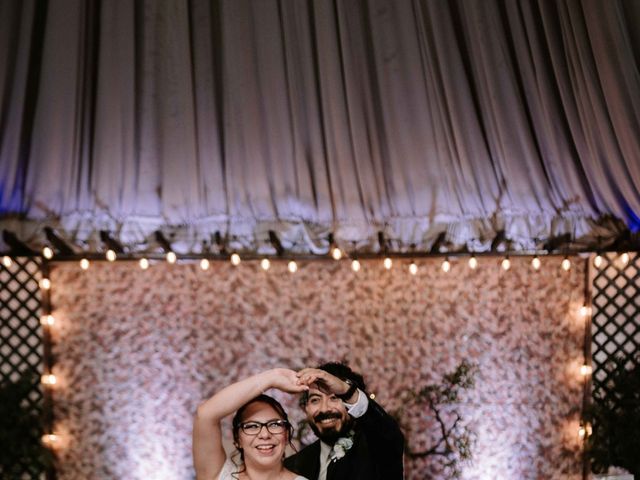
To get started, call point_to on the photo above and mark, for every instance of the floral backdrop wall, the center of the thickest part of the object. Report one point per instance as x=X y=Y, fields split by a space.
x=137 y=350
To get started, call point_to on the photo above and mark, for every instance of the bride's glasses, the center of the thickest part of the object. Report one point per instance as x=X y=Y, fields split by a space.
x=273 y=426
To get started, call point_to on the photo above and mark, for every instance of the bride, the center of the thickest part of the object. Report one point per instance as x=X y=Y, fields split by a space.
x=261 y=430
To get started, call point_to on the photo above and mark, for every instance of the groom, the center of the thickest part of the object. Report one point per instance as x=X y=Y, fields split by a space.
x=358 y=440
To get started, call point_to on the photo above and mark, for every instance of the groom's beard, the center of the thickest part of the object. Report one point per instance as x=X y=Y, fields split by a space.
x=330 y=435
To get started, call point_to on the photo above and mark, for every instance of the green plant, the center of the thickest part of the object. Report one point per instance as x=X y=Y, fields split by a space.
x=20 y=431
x=615 y=418
x=453 y=440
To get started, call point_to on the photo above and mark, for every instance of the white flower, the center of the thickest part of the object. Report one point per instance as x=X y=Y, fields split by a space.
x=341 y=446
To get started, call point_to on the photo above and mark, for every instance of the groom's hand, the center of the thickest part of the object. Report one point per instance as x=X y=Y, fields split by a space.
x=325 y=382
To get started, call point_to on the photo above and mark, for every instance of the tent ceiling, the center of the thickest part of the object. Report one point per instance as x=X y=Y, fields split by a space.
x=411 y=118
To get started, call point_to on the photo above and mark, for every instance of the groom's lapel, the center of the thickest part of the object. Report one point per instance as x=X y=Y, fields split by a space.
x=339 y=468
x=312 y=459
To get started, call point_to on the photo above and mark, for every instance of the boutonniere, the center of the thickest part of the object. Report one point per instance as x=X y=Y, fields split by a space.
x=341 y=446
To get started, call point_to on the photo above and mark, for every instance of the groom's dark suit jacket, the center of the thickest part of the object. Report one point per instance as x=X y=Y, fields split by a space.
x=376 y=454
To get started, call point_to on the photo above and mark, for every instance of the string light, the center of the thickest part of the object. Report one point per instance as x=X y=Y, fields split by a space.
x=336 y=253
x=584 y=431
x=581 y=431
x=446 y=265
x=413 y=268
x=48 y=379
x=586 y=370
x=584 y=311
x=50 y=439
x=47 y=320
x=292 y=266
x=45 y=283
x=624 y=258
x=265 y=264
x=536 y=263
x=597 y=261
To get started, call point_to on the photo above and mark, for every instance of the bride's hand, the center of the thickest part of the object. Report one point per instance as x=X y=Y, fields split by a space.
x=286 y=380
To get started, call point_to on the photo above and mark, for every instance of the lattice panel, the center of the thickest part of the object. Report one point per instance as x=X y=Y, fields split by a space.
x=21 y=340
x=616 y=315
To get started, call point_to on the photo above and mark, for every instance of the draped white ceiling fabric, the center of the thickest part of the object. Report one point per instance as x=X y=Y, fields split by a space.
x=307 y=117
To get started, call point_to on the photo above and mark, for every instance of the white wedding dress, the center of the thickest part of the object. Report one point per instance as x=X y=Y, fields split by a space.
x=230 y=468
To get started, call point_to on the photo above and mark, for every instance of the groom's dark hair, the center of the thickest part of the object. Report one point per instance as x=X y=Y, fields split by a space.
x=343 y=372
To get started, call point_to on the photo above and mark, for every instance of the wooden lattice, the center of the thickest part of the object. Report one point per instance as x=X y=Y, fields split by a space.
x=616 y=316
x=21 y=339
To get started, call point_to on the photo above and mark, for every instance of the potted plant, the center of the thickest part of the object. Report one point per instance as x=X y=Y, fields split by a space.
x=22 y=452
x=615 y=418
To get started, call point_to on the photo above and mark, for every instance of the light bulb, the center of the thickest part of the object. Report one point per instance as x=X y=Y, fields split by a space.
x=585 y=370
x=171 y=257
x=336 y=253
x=506 y=264
x=144 y=263
x=47 y=320
x=473 y=262
x=47 y=253
x=292 y=266
x=446 y=265
x=597 y=261
x=84 y=264
x=6 y=261
x=584 y=430
x=355 y=265
x=235 y=259
x=48 y=379
x=265 y=264
x=204 y=264
x=535 y=263
x=50 y=439
x=111 y=255
x=413 y=268
x=624 y=258
x=584 y=311
x=45 y=283
x=388 y=263
x=566 y=264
